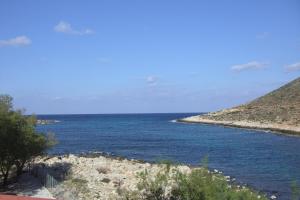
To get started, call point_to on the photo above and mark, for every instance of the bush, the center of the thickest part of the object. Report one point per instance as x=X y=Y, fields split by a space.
x=172 y=184
x=103 y=170
x=78 y=187
x=295 y=191
x=200 y=184
x=105 y=180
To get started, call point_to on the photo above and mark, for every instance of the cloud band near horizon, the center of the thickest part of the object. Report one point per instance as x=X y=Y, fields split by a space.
x=17 y=41
x=250 y=65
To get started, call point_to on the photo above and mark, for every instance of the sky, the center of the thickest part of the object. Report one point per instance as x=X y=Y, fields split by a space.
x=139 y=56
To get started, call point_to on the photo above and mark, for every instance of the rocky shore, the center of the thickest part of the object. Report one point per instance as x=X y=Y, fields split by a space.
x=277 y=111
x=46 y=121
x=94 y=176
x=280 y=128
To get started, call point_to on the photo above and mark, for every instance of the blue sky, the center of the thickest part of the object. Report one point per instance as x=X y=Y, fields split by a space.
x=142 y=56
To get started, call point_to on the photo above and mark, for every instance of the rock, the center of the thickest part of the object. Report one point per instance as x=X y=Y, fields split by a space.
x=99 y=177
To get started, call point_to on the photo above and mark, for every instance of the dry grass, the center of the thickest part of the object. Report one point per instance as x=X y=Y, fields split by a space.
x=282 y=106
x=103 y=170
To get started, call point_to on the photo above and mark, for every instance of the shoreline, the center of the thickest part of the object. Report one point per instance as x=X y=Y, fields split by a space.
x=95 y=175
x=275 y=128
x=101 y=175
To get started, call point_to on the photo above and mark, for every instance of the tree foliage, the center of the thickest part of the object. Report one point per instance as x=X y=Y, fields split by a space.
x=19 y=141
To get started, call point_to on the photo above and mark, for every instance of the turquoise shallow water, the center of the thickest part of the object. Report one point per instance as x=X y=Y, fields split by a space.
x=265 y=161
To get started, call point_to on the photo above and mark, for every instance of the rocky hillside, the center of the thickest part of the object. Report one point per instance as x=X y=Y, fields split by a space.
x=279 y=106
x=278 y=110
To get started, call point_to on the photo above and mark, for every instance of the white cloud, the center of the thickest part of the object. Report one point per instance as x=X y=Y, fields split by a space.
x=57 y=98
x=293 y=67
x=249 y=65
x=65 y=27
x=17 y=41
x=152 y=80
x=262 y=35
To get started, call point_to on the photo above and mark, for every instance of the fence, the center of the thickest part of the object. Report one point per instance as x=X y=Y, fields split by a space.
x=40 y=172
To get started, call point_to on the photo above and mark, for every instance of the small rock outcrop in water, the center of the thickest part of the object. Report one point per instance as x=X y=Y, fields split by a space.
x=46 y=121
x=278 y=110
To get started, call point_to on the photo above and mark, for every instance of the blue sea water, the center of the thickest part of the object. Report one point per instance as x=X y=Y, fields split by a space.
x=264 y=161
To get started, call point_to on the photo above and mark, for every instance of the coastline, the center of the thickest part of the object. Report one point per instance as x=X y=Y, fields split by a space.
x=96 y=176
x=277 y=128
x=101 y=176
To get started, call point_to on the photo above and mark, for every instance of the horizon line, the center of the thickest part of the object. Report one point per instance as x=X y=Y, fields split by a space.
x=134 y=113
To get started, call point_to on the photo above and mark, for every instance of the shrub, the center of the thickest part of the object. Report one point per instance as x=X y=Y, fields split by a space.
x=172 y=184
x=79 y=187
x=295 y=191
x=154 y=188
x=103 y=170
x=200 y=184
x=105 y=180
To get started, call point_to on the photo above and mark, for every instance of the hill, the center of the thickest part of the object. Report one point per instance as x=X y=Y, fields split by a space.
x=278 y=110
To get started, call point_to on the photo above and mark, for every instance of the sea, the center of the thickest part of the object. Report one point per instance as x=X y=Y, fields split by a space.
x=265 y=161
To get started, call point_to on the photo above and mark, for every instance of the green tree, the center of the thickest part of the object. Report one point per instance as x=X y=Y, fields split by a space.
x=6 y=142
x=19 y=141
x=295 y=191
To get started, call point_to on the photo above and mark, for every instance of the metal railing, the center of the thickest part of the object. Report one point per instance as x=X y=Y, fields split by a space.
x=41 y=173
